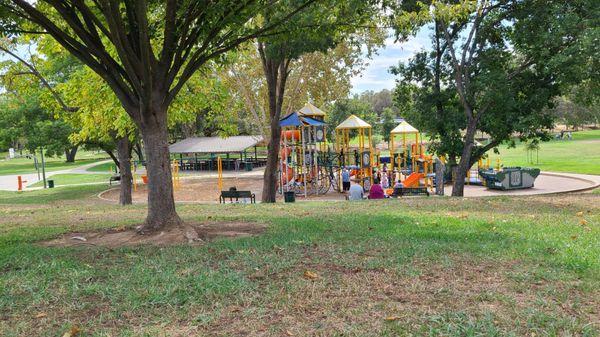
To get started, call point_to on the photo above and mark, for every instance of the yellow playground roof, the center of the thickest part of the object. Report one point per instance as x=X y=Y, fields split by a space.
x=353 y=122
x=310 y=110
x=404 y=127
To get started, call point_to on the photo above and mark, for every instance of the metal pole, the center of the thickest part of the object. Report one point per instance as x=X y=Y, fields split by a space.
x=282 y=158
x=37 y=167
x=304 y=160
x=43 y=167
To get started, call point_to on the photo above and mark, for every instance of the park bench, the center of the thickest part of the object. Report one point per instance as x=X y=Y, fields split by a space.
x=237 y=195
x=404 y=191
x=116 y=177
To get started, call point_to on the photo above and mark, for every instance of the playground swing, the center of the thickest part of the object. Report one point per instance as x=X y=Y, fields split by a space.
x=363 y=154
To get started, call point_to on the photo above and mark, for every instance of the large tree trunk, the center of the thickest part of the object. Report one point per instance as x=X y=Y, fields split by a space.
x=465 y=164
x=161 y=204
x=70 y=154
x=276 y=73
x=124 y=152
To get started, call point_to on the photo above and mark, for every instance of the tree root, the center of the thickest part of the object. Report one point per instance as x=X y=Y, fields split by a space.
x=189 y=232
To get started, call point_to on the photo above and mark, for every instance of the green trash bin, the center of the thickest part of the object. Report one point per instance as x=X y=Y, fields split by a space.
x=289 y=196
x=248 y=166
x=50 y=183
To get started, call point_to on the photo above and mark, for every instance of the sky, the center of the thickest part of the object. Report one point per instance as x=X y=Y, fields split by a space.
x=376 y=75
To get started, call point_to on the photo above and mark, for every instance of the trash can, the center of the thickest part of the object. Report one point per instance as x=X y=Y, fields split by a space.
x=50 y=183
x=248 y=166
x=289 y=196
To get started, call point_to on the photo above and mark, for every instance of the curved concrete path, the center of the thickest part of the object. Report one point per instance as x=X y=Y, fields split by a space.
x=9 y=182
x=546 y=183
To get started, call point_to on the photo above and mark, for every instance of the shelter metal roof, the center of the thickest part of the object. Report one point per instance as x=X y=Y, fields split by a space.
x=310 y=110
x=215 y=144
x=353 y=122
x=404 y=127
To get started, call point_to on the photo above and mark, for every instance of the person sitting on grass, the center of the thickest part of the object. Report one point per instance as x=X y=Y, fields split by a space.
x=376 y=191
x=356 y=191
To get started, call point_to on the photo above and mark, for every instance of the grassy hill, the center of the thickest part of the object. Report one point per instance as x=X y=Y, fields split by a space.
x=580 y=155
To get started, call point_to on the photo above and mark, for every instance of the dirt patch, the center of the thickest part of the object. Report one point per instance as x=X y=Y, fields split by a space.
x=123 y=237
x=205 y=190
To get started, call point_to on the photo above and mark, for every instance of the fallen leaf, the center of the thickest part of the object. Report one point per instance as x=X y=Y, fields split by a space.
x=310 y=275
x=79 y=238
x=289 y=333
x=392 y=318
x=74 y=331
x=574 y=237
x=41 y=315
x=258 y=275
x=583 y=222
x=579 y=213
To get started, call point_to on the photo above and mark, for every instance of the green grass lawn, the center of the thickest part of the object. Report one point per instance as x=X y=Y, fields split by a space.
x=26 y=165
x=49 y=195
x=75 y=178
x=411 y=267
x=580 y=155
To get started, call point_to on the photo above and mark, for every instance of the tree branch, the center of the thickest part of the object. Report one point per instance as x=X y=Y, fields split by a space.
x=33 y=71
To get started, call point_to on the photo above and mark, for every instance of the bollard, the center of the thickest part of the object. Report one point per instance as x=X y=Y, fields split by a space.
x=20 y=183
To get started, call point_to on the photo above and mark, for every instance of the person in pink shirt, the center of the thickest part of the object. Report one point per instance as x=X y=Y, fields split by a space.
x=376 y=191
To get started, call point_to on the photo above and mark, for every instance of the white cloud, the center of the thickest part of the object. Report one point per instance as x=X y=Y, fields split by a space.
x=376 y=75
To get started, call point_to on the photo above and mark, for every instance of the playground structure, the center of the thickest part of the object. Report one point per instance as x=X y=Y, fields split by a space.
x=303 y=140
x=409 y=159
x=362 y=165
x=175 y=174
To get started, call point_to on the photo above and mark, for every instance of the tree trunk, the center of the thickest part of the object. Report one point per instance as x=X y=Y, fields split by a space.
x=465 y=159
x=276 y=73
x=272 y=167
x=70 y=154
x=124 y=152
x=161 y=204
x=137 y=148
x=113 y=157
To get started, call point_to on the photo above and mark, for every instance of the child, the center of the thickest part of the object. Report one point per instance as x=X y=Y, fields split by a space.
x=384 y=180
x=345 y=179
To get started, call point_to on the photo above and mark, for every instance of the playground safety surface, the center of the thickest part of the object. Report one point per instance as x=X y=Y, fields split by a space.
x=205 y=190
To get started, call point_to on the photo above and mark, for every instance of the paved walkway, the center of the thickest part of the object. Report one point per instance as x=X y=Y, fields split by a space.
x=546 y=183
x=9 y=182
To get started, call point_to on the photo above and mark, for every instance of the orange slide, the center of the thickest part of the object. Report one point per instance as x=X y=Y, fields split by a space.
x=287 y=173
x=413 y=180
